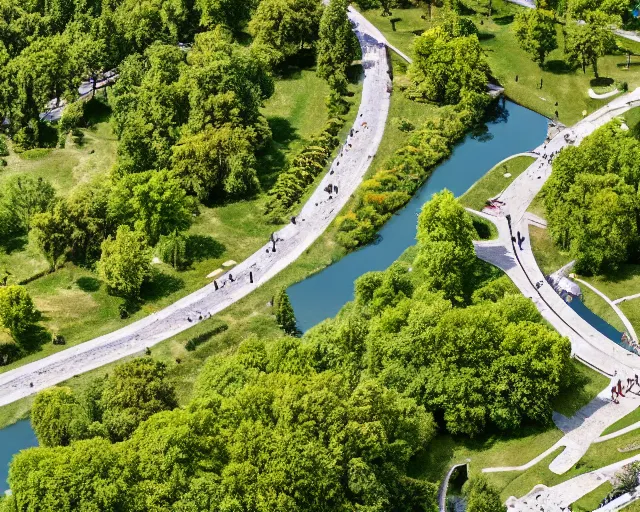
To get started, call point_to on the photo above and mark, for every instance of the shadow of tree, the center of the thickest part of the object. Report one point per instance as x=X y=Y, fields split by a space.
x=160 y=285
x=504 y=20
x=559 y=67
x=601 y=81
x=88 y=284
x=17 y=243
x=202 y=247
x=96 y=111
x=32 y=339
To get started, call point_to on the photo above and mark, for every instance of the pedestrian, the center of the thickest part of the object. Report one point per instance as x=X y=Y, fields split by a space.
x=557 y=115
x=541 y=83
x=516 y=78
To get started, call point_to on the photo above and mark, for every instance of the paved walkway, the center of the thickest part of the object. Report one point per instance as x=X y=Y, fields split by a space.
x=594 y=95
x=628 y=297
x=559 y=497
x=588 y=344
x=292 y=241
x=623 y=317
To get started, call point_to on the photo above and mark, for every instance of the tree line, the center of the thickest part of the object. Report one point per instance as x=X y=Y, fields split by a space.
x=330 y=420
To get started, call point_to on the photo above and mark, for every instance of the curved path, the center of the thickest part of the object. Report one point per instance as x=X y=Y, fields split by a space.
x=594 y=95
x=291 y=241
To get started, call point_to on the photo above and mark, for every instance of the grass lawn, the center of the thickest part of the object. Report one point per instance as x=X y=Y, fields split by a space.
x=592 y=500
x=537 y=207
x=494 y=182
x=589 y=384
x=631 y=309
x=565 y=85
x=601 y=308
x=629 y=419
x=549 y=258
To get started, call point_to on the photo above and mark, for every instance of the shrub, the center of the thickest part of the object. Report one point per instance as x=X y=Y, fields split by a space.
x=622 y=86
x=9 y=352
x=72 y=117
x=403 y=124
x=3 y=162
x=4 y=151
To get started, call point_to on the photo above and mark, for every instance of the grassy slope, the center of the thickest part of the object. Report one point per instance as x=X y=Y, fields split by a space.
x=494 y=182
x=592 y=500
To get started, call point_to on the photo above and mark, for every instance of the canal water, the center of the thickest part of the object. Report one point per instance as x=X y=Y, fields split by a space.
x=514 y=130
x=13 y=438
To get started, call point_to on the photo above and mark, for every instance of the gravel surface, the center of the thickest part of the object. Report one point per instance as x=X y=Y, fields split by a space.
x=291 y=242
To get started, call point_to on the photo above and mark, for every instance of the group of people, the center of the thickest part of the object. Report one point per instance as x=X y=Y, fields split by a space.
x=617 y=391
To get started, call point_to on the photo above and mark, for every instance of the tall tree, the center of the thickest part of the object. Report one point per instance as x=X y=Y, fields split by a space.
x=535 y=31
x=285 y=315
x=587 y=42
x=17 y=310
x=57 y=417
x=52 y=232
x=337 y=46
x=125 y=263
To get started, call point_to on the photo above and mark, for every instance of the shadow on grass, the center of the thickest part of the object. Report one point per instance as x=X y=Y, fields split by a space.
x=624 y=64
x=482 y=228
x=282 y=130
x=96 y=111
x=601 y=81
x=88 y=284
x=504 y=20
x=202 y=247
x=33 y=338
x=558 y=67
x=160 y=285
x=17 y=243
x=485 y=36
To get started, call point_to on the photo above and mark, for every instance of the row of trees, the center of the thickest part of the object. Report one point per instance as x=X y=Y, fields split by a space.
x=329 y=421
x=593 y=202
x=585 y=41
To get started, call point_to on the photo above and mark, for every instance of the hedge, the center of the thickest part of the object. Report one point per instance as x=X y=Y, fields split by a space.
x=391 y=187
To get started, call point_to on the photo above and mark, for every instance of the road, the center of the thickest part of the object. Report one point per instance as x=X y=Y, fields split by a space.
x=345 y=175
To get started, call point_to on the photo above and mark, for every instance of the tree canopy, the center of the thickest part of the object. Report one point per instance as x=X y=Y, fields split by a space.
x=535 y=31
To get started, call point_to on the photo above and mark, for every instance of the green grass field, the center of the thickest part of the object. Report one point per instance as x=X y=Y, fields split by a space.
x=591 y=501
x=494 y=182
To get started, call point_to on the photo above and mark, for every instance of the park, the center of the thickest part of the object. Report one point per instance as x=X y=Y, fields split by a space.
x=275 y=255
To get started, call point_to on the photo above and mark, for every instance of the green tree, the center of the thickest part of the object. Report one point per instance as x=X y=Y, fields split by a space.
x=337 y=46
x=281 y=28
x=52 y=232
x=285 y=315
x=587 y=42
x=482 y=497
x=445 y=67
x=172 y=249
x=445 y=246
x=228 y=13
x=152 y=202
x=535 y=31
x=57 y=417
x=134 y=392
x=24 y=197
x=125 y=263
x=17 y=311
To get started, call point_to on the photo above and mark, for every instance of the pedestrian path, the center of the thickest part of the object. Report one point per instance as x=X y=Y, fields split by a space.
x=629 y=297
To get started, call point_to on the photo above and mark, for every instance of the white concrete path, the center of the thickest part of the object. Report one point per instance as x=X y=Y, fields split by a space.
x=621 y=315
x=629 y=297
x=594 y=95
x=293 y=240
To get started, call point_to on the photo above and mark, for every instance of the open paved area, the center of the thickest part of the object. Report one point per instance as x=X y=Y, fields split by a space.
x=345 y=175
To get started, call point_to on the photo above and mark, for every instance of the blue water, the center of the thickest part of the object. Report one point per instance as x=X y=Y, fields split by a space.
x=599 y=323
x=14 y=438
x=322 y=295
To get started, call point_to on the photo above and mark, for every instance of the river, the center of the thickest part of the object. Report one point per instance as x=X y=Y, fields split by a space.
x=515 y=131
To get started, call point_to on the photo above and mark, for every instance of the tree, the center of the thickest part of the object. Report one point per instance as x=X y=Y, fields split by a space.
x=17 y=311
x=445 y=241
x=536 y=33
x=152 y=202
x=228 y=13
x=445 y=67
x=482 y=497
x=281 y=28
x=586 y=42
x=52 y=232
x=285 y=315
x=337 y=46
x=57 y=417
x=172 y=249
x=125 y=263
x=25 y=197
x=134 y=392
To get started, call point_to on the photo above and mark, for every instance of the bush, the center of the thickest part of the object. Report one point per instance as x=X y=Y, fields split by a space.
x=58 y=339
x=392 y=186
x=403 y=124
x=72 y=117
x=9 y=352
x=305 y=166
x=3 y=162
x=4 y=151
x=622 y=86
